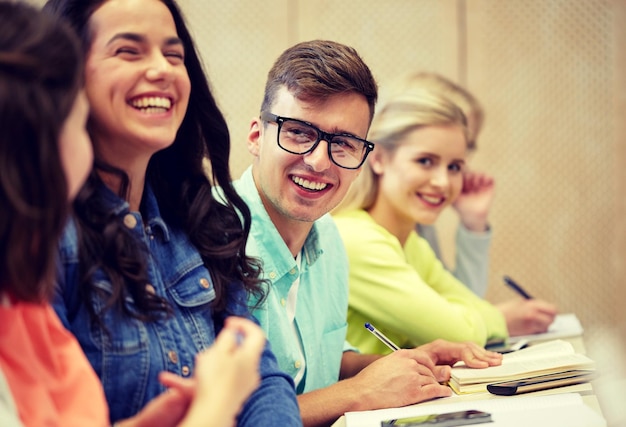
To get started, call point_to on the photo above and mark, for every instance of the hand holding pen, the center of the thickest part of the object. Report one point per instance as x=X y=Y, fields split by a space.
x=442 y=352
x=517 y=288
x=529 y=316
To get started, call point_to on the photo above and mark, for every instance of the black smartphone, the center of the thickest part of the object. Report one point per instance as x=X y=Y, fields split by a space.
x=449 y=419
x=542 y=382
x=503 y=347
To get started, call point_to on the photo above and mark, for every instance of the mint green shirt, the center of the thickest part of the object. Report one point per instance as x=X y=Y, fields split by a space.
x=406 y=292
x=322 y=301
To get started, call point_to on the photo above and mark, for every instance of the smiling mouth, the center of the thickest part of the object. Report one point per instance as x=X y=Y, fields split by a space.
x=432 y=200
x=308 y=185
x=152 y=104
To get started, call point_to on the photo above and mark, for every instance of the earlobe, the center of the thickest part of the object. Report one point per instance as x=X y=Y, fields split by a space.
x=254 y=136
x=376 y=163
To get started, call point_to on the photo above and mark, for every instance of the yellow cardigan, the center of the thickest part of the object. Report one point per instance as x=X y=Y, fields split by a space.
x=406 y=292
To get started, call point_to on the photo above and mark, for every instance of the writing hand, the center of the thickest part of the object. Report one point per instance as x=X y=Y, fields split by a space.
x=401 y=378
x=528 y=316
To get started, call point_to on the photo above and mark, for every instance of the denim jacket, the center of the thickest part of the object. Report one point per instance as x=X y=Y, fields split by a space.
x=129 y=358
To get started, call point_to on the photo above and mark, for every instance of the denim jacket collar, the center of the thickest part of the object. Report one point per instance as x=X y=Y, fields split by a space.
x=149 y=208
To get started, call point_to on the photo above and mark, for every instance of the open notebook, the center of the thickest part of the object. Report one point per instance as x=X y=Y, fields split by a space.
x=514 y=411
x=539 y=359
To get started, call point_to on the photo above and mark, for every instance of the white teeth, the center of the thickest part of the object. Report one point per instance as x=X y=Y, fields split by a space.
x=152 y=104
x=305 y=183
x=432 y=199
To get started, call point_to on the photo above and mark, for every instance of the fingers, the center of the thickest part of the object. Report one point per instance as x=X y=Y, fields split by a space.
x=241 y=334
x=476 y=181
x=448 y=353
x=432 y=390
x=442 y=373
x=421 y=357
x=542 y=315
x=477 y=357
x=165 y=410
x=185 y=386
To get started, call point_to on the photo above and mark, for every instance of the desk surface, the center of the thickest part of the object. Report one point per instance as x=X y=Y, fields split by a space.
x=585 y=390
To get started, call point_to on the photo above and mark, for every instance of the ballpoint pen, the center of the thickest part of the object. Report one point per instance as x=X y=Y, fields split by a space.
x=381 y=337
x=517 y=288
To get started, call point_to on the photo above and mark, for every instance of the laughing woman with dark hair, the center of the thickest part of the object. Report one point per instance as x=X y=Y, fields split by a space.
x=154 y=261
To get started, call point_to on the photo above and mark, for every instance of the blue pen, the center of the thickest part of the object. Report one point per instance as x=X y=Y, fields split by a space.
x=517 y=288
x=381 y=337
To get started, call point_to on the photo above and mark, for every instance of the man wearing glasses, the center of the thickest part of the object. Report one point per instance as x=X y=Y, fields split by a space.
x=308 y=145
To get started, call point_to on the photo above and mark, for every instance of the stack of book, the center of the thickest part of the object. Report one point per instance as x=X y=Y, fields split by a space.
x=550 y=357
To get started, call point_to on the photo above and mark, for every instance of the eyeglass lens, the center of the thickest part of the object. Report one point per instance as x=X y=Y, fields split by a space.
x=298 y=138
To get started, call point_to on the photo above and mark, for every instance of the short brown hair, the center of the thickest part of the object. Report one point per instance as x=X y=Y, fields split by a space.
x=315 y=70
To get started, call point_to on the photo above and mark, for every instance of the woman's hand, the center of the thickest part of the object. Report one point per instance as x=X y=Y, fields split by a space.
x=527 y=316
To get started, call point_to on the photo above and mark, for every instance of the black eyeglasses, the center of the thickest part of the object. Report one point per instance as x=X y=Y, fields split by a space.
x=300 y=137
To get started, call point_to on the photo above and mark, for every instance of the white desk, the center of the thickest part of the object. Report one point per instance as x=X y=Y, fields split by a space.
x=585 y=390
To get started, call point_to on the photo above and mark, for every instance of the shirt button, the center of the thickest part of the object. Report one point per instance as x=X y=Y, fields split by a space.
x=272 y=274
x=204 y=283
x=130 y=221
x=150 y=289
x=283 y=302
x=172 y=356
x=185 y=370
x=292 y=271
x=297 y=364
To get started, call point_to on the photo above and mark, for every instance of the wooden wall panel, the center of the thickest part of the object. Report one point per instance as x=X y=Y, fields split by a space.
x=545 y=73
x=239 y=41
x=618 y=260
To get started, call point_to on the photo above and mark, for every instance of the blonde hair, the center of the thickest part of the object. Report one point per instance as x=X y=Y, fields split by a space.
x=439 y=84
x=401 y=113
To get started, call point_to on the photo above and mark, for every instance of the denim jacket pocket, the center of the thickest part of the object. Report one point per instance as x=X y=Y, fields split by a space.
x=193 y=293
x=122 y=334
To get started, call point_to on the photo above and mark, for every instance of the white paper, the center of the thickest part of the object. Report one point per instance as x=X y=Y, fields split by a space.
x=511 y=411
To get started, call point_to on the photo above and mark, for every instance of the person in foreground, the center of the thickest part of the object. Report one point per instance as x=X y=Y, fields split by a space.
x=308 y=145
x=473 y=236
x=153 y=263
x=415 y=173
x=46 y=155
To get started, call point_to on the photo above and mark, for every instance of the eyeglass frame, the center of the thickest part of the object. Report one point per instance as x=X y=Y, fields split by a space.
x=266 y=116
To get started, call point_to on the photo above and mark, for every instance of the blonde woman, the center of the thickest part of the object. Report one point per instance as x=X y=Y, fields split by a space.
x=396 y=281
x=473 y=235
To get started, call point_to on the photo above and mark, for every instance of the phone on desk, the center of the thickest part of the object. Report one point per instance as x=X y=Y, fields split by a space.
x=542 y=382
x=449 y=419
x=504 y=347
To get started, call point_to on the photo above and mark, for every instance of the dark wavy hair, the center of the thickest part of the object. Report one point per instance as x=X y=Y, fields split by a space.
x=40 y=77
x=217 y=228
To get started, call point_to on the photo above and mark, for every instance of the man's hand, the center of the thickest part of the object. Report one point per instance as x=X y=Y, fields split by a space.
x=448 y=353
x=400 y=378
